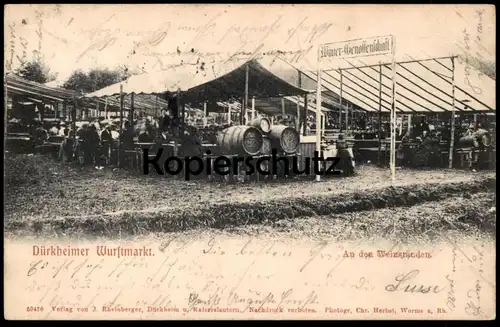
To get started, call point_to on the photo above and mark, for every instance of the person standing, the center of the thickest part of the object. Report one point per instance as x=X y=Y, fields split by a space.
x=62 y=130
x=362 y=123
x=344 y=156
x=106 y=141
x=92 y=143
x=422 y=127
x=54 y=130
x=67 y=147
x=41 y=134
x=127 y=142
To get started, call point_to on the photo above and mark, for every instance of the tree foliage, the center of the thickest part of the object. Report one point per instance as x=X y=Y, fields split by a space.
x=35 y=71
x=95 y=79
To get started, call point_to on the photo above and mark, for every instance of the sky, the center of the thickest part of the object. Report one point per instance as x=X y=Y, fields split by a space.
x=149 y=37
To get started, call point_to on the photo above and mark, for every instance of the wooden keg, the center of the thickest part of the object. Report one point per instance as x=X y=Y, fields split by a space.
x=479 y=138
x=284 y=138
x=262 y=123
x=240 y=140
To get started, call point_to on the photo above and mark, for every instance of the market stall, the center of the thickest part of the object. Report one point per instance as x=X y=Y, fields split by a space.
x=201 y=84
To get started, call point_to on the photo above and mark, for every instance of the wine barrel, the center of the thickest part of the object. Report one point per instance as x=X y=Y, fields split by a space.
x=284 y=138
x=479 y=138
x=266 y=146
x=240 y=140
x=262 y=123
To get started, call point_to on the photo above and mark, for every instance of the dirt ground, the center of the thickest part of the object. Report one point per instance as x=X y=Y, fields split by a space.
x=67 y=201
x=75 y=192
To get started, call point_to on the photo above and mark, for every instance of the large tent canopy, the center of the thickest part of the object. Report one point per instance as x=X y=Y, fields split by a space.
x=148 y=104
x=37 y=92
x=274 y=106
x=329 y=99
x=213 y=81
x=422 y=86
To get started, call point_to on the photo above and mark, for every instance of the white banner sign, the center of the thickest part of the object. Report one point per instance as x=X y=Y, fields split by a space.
x=374 y=46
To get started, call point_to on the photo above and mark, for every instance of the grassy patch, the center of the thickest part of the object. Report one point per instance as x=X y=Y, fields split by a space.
x=55 y=190
x=466 y=214
x=243 y=214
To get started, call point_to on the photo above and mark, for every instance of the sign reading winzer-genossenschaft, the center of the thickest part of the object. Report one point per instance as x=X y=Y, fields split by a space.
x=374 y=46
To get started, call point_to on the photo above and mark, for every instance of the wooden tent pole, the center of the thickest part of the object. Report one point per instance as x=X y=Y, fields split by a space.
x=205 y=102
x=393 y=112
x=318 y=112
x=106 y=108
x=245 y=102
x=306 y=104
x=97 y=108
x=181 y=108
x=205 y=118
x=297 y=120
x=229 y=112
x=346 y=111
x=452 y=136
x=340 y=100
x=73 y=118
x=299 y=116
x=5 y=114
x=282 y=107
x=65 y=112
x=242 y=111
x=352 y=116
x=156 y=106
x=253 y=108
x=380 y=115
x=120 y=128
x=131 y=116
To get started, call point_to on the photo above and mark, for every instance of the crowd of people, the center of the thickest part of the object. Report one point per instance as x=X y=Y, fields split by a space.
x=91 y=142
x=96 y=142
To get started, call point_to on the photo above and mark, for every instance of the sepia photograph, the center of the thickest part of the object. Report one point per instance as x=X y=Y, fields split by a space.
x=249 y=162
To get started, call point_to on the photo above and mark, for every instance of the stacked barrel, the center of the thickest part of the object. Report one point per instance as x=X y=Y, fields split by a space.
x=258 y=137
x=479 y=139
x=240 y=140
x=282 y=138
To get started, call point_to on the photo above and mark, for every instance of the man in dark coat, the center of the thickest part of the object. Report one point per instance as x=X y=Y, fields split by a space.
x=362 y=123
x=106 y=141
x=127 y=137
x=91 y=143
x=422 y=127
x=40 y=134
x=67 y=147
x=345 y=159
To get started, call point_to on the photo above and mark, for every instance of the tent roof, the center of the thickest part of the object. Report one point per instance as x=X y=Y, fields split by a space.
x=38 y=92
x=273 y=106
x=146 y=103
x=207 y=81
x=423 y=86
x=20 y=86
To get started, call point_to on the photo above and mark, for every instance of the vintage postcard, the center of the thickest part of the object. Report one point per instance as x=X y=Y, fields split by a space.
x=244 y=162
